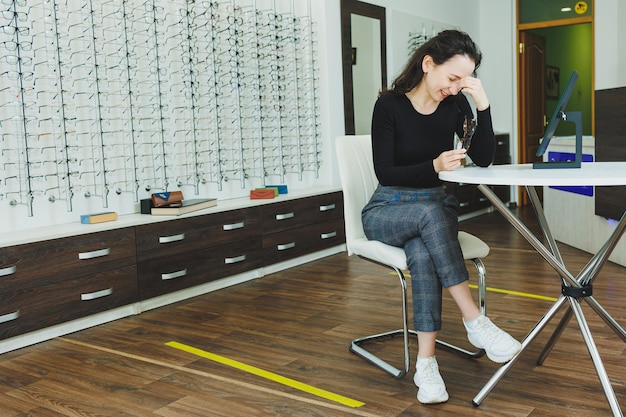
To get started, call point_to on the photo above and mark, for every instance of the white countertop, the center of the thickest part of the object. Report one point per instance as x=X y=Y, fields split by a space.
x=128 y=220
x=590 y=173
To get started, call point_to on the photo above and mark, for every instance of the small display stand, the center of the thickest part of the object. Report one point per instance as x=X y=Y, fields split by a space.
x=577 y=118
x=561 y=115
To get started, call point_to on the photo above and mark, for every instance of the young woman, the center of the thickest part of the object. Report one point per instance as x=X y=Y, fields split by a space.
x=413 y=128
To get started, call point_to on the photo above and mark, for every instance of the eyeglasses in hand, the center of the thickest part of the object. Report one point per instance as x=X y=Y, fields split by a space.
x=469 y=128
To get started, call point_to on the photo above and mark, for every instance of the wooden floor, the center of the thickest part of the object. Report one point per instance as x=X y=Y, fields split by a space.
x=278 y=346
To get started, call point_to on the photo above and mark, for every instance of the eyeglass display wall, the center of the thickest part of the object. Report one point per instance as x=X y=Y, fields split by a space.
x=102 y=98
x=427 y=31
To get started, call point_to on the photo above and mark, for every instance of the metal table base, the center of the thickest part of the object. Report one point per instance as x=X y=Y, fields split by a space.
x=574 y=289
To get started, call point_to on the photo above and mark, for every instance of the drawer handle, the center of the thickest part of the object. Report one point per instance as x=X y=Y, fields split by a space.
x=11 y=316
x=327 y=207
x=235 y=259
x=172 y=238
x=328 y=235
x=286 y=246
x=482 y=199
x=464 y=204
x=8 y=271
x=96 y=294
x=284 y=216
x=94 y=254
x=173 y=275
x=234 y=226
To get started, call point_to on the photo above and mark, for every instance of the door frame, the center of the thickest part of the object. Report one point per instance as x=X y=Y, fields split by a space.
x=348 y=8
x=521 y=27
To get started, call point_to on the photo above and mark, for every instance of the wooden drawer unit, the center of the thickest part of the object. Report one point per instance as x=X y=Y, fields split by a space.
x=49 y=282
x=469 y=197
x=295 y=213
x=47 y=262
x=502 y=157
x=289 y=244
x=177 y=237
x=503 y=152
x=173 y=273
x=182 y=253
x=34 y=308
x=294 y=228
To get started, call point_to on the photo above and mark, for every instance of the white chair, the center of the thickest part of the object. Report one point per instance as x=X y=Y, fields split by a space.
x=358 y=180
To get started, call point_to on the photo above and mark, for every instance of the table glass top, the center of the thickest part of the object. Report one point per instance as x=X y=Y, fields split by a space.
x=590 y=173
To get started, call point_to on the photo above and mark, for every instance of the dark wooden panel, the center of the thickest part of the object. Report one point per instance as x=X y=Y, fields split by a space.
x=51 y=261
x=289 y=244
x=610 y=141
x=328 y=206
x=199 y=267
x=44 y=306
x=291 y=214
x=286 y=215
x=190 y=234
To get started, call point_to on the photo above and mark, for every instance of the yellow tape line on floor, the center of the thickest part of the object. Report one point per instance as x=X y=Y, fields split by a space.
x=502 y=291
x=267 y=375
x=521 y=294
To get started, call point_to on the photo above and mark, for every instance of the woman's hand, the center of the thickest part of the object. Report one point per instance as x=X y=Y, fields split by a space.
x=449 y=160
x=474 y=87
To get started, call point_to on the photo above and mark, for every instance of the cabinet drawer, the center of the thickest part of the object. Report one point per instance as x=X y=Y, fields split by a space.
x=164 y=275
x=502 y=154
x=289 y=244
x=33 y=308
x=287 y=215
x=178 y=237
x=48 y=262
x=503 y=192
x=465 y=194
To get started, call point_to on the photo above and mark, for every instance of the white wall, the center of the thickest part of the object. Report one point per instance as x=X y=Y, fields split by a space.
x=491 y=23
x=610 y=41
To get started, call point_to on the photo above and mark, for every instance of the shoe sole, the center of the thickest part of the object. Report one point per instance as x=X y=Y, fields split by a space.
x=497 y=359
x=439 y=400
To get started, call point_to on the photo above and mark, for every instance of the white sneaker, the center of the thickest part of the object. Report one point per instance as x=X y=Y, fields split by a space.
x=432 y=389
x=498 y=344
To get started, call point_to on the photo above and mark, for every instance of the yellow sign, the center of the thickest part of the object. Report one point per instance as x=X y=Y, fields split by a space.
x=581 y=7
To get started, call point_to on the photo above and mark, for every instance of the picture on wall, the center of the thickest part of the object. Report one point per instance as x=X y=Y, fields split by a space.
x=552 y=82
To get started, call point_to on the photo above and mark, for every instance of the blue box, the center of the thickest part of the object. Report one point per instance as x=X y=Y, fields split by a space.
x=586 y=190
x=282 y=189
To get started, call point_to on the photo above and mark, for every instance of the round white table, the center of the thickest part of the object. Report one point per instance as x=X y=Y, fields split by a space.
x=574 y=288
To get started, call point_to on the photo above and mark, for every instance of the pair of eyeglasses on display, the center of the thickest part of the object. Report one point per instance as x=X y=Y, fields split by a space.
x=469 y=128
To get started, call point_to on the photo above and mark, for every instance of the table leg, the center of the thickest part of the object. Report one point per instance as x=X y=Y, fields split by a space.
x=595 y=357
x=587 y=275
x=497 y=376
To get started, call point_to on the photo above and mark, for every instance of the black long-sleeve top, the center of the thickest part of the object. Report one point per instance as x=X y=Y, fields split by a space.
x=405 y=142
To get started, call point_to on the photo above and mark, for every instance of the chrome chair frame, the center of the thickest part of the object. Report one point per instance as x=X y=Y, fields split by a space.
x=356 y=171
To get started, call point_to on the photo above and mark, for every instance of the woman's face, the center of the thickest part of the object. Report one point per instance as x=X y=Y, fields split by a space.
x=445 y=79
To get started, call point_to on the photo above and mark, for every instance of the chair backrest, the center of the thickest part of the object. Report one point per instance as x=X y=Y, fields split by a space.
x=358 y=181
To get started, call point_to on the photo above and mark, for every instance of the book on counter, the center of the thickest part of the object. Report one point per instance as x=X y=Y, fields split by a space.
x=108 y=216
x=186 y=206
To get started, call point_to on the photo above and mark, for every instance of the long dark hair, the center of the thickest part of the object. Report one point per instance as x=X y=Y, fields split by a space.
x=442 y=47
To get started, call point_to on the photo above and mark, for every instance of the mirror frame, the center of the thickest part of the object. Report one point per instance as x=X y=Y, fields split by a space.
x=348 y=8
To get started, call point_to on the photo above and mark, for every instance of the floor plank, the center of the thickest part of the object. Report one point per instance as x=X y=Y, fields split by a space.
x=297 y=324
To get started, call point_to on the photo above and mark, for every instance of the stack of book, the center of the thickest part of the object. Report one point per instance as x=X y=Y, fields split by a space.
x=185 y=206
